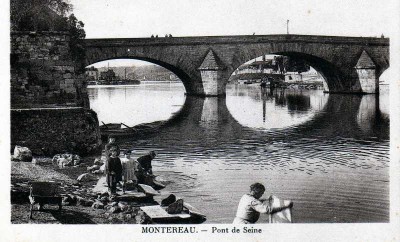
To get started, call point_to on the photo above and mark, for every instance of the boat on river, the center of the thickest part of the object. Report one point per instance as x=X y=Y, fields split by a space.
x=116 y=129
x=123 y=130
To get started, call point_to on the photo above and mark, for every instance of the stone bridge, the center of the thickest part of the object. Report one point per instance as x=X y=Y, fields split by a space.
x=204 y=64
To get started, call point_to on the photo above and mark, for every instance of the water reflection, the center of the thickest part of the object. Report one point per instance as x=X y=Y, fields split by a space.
x=329 y=153
x=327 y=161
x=133 y=105
x=280 y=108
x=336 y=115
x=296 y=102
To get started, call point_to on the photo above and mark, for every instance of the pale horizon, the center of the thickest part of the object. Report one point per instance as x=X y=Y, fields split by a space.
x=185 y=18
x=135 y=19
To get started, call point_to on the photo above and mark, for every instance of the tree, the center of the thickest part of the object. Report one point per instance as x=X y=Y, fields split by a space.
x=77 y=34
x=50 y=15
x=108 y=75
x=38 y=15
x=279 y=64
x=290 y=64
x=297 y=65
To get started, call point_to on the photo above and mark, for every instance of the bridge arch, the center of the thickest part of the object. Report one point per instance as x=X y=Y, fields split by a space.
x=174 y=69
x=335 y=76
x=349 y=64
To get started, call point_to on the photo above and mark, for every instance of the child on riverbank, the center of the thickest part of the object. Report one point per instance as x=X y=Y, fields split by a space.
x=111 y=143
x=113 y=170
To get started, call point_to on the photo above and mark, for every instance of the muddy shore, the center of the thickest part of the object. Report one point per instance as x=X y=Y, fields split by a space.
x=78 y=197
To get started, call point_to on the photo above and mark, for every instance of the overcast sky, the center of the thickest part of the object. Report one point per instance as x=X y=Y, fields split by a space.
x=134 y=18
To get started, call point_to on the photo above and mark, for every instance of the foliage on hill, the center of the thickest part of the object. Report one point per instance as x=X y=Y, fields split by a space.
x=146 y=72
x=38 y=15
x=49 y=15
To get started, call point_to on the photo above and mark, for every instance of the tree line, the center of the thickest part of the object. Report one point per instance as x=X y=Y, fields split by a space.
x=50 y=15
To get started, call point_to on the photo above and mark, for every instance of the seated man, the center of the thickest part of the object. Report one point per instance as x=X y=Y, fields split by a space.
x=145 y=162
x=144 y=171
x=250 y=206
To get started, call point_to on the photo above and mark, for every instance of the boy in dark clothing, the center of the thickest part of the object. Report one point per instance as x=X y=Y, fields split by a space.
x=113 y=170
x=111 y=143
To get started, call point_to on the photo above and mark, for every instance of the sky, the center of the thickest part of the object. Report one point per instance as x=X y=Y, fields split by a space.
x=134 y=18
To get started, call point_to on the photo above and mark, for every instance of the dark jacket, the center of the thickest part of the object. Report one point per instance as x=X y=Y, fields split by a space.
x=107 y=148
x=145 y=162
x=113 y=164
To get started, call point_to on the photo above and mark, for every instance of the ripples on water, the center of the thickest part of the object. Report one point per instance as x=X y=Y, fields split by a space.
x=328 y=153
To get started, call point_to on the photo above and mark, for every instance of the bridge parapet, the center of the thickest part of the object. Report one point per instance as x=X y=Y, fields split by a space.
x=333 y=56
x=236 y=39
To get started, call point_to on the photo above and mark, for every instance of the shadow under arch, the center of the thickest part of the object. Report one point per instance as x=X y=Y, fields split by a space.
x=331 y=74
x=178 y=72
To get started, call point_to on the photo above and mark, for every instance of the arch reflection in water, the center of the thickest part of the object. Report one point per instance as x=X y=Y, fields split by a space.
x=329 y=164
x=323 y=115
x=136 y=104
x=370 y=118
x=321 y=156
x=280 y=108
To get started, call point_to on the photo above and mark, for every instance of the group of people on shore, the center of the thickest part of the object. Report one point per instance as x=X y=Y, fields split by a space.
x=117 y=172
x=250 y=205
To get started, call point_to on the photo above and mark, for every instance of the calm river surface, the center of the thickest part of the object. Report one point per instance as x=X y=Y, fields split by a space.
x=327 y=153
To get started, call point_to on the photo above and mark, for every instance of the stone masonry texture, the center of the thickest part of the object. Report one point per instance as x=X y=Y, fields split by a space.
x=55 y=130
x=333 y=56
x=49 y=104
x=42 y=71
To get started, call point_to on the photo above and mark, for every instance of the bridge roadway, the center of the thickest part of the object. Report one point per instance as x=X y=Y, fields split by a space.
x=205 y=63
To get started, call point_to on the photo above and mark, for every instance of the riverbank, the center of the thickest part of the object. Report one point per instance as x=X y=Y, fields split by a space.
x=78 y=197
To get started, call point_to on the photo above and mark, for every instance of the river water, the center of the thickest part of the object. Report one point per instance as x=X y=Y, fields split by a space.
x=329 y=153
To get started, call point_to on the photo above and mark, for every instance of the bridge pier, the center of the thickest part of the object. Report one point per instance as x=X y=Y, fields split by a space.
x=212 y=75
x=366 y=71
x=204 y=63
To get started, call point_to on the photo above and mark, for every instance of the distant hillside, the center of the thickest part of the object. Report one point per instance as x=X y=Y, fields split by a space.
x=154 y=73
x=148 y=72
x=120 y=70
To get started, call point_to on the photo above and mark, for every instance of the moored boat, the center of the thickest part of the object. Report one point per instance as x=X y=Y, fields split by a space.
x=117 y=130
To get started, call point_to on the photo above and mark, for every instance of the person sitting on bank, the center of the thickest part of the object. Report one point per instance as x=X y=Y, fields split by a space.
x=113 y=170
x=144 y=172
x=111 y=143
x=145 y=162
x=250 y=206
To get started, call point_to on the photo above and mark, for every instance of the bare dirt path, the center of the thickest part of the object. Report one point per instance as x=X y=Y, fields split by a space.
x=76 y=213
